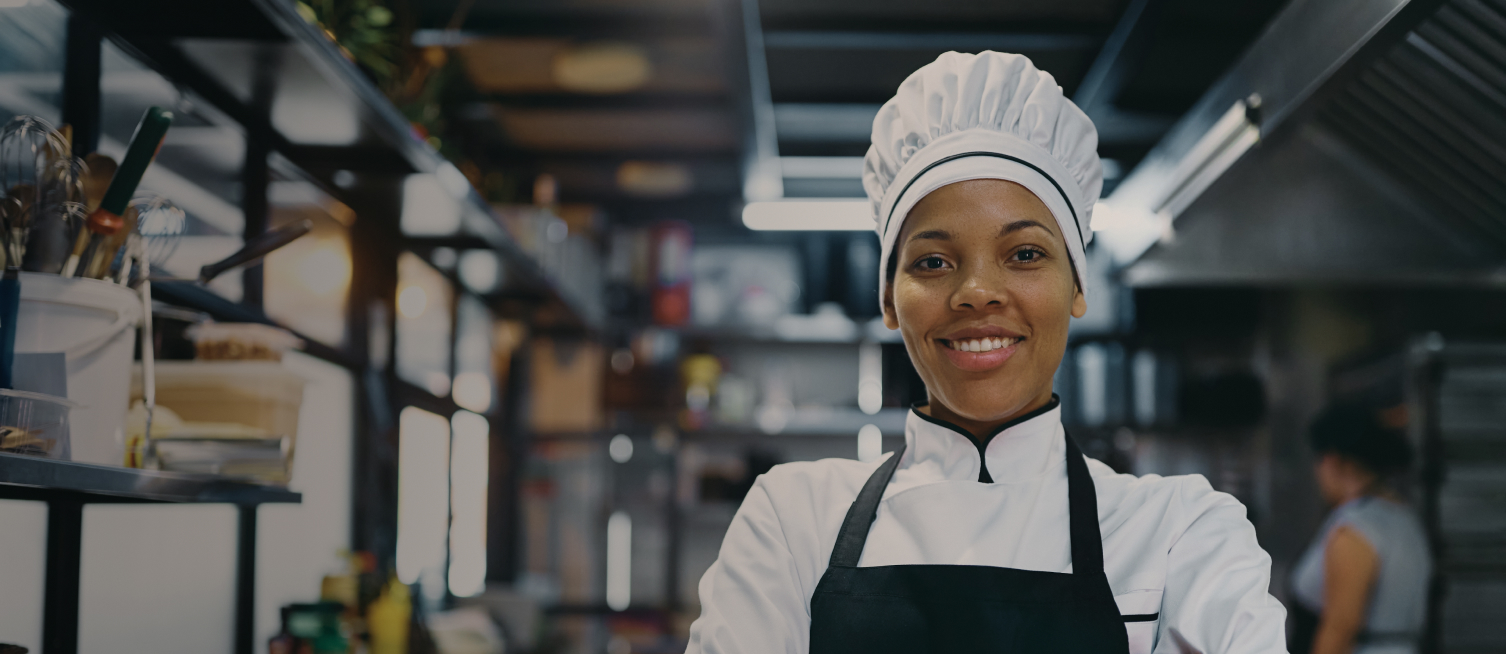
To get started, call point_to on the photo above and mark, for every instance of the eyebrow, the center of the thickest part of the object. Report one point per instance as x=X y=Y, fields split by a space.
x=932 y=235
x=1019 y=225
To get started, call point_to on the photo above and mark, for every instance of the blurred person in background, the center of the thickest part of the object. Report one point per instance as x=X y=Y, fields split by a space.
x=988 y=530
x=1362 y=586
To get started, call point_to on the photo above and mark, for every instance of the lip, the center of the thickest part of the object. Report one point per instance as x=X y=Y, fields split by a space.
x=982 y=331
x=979 y=361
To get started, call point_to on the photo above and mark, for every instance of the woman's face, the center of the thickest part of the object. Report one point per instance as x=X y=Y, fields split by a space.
x=982 y=293
x=1340 y=478
x=1331 y=475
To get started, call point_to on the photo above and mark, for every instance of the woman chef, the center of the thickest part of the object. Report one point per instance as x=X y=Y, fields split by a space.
x=988 y=531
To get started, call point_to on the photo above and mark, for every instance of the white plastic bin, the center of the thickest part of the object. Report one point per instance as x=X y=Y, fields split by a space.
x=94 y=324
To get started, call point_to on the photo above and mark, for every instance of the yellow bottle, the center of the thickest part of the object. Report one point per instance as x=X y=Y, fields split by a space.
x=387 y=619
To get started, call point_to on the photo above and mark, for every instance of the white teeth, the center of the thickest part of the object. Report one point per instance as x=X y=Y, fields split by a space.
x=982 y=344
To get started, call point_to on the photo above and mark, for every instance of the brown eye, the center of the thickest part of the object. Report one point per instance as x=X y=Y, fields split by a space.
x=931 y=263
x=1028 y=255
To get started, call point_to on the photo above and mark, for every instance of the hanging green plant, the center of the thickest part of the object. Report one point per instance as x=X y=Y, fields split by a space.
x=365 y=32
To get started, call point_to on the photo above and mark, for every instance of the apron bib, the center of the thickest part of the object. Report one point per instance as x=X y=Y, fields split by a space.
x=967 y=608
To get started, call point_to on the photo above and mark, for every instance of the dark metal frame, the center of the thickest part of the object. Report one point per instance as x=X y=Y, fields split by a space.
x=66 y=487
x=1429 y=360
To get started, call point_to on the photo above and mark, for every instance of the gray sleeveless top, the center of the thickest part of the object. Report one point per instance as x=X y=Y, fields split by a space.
x=1398 y=604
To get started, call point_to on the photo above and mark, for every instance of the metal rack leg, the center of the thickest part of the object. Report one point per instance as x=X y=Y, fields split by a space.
x=245 y=581
x=65 y=538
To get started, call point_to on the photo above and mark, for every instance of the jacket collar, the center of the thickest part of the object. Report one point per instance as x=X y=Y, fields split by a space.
x=1019 y=450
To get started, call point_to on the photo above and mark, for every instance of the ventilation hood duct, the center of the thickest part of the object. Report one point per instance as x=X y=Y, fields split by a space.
x=1357 y=142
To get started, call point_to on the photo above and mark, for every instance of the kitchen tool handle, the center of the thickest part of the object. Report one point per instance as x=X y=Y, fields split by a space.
x=257 y=248
x=139 y=154
x=10 y=311
x=148 y=360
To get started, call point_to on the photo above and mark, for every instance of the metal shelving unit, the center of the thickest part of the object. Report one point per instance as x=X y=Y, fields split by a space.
x=1459 y=393
x=66 y=487
x=238 y=56
x=235 y=61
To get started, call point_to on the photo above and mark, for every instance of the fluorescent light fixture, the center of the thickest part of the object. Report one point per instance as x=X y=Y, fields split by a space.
x=468 y=480
x=1092 y=376
x=824 y=122
x=845 y=215
x=822 y=167
x=1229 y=138
x=1111 y=217
x=1126 y=231
x=870 y=378
x=1142 y=209
x=1143 y=372
x=423 y=497
x=619 y=561
x=311 y=119
x=621 y=448
x=870 y=443
x=472 y=390
x=765 y=181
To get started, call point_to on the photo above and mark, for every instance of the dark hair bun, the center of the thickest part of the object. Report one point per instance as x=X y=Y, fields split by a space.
x=1356 y=432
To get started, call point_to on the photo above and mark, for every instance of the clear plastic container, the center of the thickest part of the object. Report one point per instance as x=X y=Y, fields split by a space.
x=34 y=424
x=262 y=395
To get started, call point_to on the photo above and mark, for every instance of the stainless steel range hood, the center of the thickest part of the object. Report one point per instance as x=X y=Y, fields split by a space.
x=1380 y=157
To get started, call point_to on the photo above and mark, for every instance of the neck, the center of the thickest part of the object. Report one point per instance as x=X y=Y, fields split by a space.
x=982 y=429
x=1366 y=486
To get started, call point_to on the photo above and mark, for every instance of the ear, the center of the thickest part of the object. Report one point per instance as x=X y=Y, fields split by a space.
x=891 y=318
x=1079 y=303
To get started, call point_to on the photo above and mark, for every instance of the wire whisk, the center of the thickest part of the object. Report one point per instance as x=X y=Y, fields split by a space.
x=38 y=176
x=161 y=225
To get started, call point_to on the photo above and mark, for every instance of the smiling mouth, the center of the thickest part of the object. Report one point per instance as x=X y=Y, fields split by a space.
x=979 y=344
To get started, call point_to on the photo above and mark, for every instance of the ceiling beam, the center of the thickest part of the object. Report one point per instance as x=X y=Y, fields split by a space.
x=824 y=122
x=513 y=154
x=1117 y=62
x=635 y=100
x=1119 y=58
x=741 y=30
x=171 y=19
x=939 y=41
x=579 y=25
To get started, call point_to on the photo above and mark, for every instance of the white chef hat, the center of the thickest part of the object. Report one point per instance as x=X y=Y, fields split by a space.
x=986 y=116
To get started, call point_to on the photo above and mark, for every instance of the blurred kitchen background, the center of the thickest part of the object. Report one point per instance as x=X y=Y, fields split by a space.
x=581 y=269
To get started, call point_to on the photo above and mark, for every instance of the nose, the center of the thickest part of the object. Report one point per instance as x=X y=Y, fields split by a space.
x=980 y=287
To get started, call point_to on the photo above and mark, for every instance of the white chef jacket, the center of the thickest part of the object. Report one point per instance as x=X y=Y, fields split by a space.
x=1171 y=545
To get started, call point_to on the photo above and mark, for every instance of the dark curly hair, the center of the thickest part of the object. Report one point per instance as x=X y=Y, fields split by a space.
x=1355 y=432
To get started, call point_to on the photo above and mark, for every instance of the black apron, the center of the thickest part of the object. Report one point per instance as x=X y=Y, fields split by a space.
x=967 y=608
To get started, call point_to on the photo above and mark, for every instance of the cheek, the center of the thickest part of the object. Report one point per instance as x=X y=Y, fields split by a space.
x=1325 y=474
x=1047 y=308
x=916 y=306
